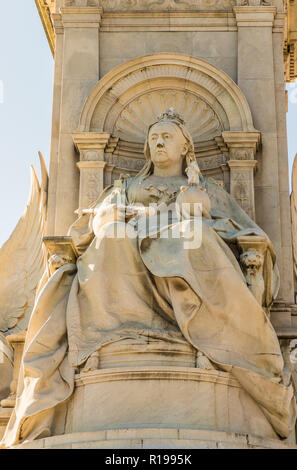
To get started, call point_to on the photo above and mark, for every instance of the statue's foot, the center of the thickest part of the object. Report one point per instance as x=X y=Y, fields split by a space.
x=203 y=362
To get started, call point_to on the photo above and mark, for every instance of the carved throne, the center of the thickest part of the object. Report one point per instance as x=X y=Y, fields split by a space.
x=129 y=380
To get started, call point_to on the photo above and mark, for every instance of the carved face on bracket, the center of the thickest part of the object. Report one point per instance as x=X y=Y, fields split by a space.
x=167 y=144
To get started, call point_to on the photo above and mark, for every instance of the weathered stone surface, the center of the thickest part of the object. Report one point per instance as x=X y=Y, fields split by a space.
x=118 y=64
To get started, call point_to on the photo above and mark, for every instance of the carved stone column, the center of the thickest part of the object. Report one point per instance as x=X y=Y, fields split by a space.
x=242 y=150
x=81 y=20
x=260 y=76
x=242 y=184
x=91 y=147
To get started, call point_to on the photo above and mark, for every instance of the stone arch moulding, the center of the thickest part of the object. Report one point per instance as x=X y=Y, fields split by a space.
x=128 y=99
x=113 y=93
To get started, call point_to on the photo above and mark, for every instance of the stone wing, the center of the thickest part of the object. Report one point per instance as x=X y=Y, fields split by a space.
x=23 y=261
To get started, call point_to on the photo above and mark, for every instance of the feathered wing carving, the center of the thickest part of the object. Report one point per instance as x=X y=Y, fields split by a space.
x=23 y=259
x=294 y=219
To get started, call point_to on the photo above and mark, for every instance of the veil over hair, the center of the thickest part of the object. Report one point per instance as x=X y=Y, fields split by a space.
x=169 y=116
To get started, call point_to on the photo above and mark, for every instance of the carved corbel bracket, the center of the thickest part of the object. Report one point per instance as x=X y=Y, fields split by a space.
x=252 y=260
x=242 y=145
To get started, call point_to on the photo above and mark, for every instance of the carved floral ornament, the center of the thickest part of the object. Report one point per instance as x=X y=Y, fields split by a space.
x=161 y=5
x=177 y=5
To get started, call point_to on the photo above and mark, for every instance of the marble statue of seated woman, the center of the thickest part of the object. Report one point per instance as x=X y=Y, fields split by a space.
x=148 y=269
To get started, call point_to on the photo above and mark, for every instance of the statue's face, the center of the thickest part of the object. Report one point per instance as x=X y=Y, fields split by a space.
x=167 y=144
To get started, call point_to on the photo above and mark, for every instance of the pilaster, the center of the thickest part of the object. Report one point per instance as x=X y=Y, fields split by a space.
x=242 y=148
x=256 y=78
x=81 y=22
x=91 y=147
x=242 y=184
x=57 y=93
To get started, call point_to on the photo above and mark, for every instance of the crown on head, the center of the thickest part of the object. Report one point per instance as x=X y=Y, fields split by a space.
x=171 y=115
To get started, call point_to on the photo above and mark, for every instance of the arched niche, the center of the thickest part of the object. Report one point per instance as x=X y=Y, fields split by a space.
x=117 y=113
x=125 y=84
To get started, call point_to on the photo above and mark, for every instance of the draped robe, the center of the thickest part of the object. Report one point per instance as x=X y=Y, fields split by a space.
x=151 y=285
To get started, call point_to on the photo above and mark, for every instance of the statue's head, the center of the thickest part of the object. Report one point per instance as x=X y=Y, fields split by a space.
x=168 y=141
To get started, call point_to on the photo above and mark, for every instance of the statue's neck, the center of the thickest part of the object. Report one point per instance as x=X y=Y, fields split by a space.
x=168 y=172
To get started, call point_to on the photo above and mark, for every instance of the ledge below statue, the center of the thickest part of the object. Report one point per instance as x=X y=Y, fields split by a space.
x=155 y=438
x=176 y=407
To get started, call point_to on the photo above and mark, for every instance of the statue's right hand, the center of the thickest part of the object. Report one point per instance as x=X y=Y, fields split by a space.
x=108 y=213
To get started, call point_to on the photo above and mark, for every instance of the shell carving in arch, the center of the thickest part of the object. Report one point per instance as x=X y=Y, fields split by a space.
x=133 y=122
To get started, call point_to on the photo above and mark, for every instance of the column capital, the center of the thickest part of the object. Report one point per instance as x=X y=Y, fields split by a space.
x=91 y=182
x=90 y=140
x=91 y=165
x=81 y=14
x=255 y=16
x=242 y=145
x=57 y=23
x=242 y=164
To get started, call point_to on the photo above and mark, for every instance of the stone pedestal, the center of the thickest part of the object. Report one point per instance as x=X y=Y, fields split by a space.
x=171 y=397
x=152 y=395
x=158 y=407
x=156 y=438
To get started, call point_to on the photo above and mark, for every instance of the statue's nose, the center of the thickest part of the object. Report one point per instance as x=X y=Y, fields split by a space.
x=160 y=142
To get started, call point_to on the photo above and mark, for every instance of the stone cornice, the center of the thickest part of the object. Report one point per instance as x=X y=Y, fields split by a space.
x=45 y=16
x=189 y=21
x=168 y=21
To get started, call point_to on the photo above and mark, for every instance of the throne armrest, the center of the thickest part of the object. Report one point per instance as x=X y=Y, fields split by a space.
x=252 y=261
x=253 y=242
x=61 y=250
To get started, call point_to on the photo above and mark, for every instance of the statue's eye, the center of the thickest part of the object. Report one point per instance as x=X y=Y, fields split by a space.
x=166 y=136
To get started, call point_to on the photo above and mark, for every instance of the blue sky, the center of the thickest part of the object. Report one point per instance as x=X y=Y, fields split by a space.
x=26 y=76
